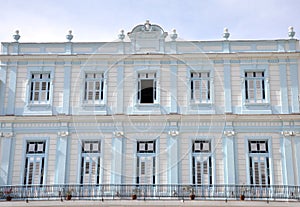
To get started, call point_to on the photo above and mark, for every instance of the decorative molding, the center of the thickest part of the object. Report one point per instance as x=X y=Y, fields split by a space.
x=6 y=134
x=229 y=133
x=118 y=133
x=173 y=133
x=289 y=133
x=63 y=133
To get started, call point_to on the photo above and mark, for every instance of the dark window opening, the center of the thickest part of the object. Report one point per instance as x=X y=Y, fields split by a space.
x=147 y=91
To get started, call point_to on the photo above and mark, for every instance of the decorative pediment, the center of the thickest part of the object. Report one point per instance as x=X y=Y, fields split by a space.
x=148 y=38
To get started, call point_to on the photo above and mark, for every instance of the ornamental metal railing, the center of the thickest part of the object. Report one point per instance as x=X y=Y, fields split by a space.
x=127 y=191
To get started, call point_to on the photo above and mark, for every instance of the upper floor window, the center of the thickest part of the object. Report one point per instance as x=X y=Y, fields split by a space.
x=200 y=87
x=34 y=162
x=147 y=88
x=40 y=88
x=94 y=88
x=255 y=87
x=259 y=163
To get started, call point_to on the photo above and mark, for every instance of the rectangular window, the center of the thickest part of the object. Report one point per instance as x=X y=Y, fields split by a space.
x=145 y=162
x=94 y=88
x=146 y=146
x=40 y=88
x=200 y=87
x=90 y=162
x=202 y=162
x=259 y=162
x=34 y=162
x=255 y=87
x=146 y=88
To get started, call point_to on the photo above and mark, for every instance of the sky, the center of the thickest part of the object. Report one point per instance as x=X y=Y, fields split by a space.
x=102 y=20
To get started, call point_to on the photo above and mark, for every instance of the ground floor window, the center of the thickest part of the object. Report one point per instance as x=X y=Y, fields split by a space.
x=34 y=162
x=90 y=162
x=146 y=164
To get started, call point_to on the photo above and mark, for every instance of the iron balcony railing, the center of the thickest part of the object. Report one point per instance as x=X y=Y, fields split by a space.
x=122 y=191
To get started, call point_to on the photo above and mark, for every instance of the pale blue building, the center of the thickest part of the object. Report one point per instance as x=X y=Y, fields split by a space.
x=150 y=112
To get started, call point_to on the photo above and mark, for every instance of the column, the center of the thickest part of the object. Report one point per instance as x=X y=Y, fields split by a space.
x=117 y=158
x=294 y=87
x=2 y=88
x=287 y=161
x=62 y=156
x=173 y=89
x=120 y=88
x=283 y=89
x=229 y=156
x=67 y=89
x=227 y=86
x=12 y=89
x=6 y=157
x=173 y=157
x=297 y=157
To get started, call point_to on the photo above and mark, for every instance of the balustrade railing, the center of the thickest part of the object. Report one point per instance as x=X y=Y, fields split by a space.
x=125 y=191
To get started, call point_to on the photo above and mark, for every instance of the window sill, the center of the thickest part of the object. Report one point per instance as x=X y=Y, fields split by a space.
x=92 y=105
x=146 y=105
x=37 y=105
x=256 y=104
x=201 y=104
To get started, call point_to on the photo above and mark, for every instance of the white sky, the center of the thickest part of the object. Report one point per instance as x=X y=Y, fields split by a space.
x=101 y=20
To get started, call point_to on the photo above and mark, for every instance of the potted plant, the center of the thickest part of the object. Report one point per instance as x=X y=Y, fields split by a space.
x=7 y=194
x=192 y=193
x=69 y=194
x=134 y=194
x=242 y=196
x=191 y=190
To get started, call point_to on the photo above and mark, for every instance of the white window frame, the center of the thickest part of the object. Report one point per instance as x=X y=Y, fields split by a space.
x=147 y=76
x=87 y=157
x=40 y=88
x=35 y=157
x=259 y=156
x=202 y=156
x=197 y=80
x=92 y=82
x=39 y=107
x=197 y=106
x=255 y=108
x=255 y=85
x=148 y=155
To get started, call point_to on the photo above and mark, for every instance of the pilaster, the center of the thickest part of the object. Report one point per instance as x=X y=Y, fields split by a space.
x=287 y=160
x=283 y=89
x=12 y=89
x=67 y=88
x=120 y=88
x=173 y=155
x=117 y=158
x=227 y=87
x=294 y=87
x=62 y=155
x=6 y=156
x=173 y=89
x=229 y=156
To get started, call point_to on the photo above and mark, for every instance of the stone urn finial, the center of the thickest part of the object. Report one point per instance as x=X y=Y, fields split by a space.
x=291 y=32
x=174 y=35
x=226 y=34
x=69 y=36
x=121 y=35
x=16 y=36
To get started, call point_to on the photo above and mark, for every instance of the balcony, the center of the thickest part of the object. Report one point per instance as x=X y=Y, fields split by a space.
x=171 y=193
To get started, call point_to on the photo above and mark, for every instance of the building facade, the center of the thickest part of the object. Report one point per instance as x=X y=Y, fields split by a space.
x=151 y=113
